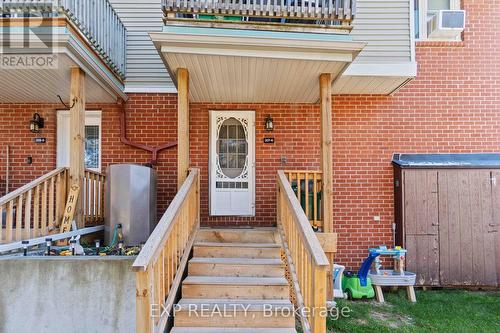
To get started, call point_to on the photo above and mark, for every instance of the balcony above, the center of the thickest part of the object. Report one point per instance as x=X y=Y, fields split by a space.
x=287 y=15
x=256 y=51
x=384 y=65
x=95 y=20
x=85 y=34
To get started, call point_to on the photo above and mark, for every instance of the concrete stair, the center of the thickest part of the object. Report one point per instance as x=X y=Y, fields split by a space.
x=236 y=283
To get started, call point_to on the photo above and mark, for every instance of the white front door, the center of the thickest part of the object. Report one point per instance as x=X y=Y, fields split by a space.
x=232 y=163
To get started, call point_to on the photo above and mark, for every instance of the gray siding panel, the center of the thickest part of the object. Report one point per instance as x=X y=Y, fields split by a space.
x=145 y=69
x=385 y=25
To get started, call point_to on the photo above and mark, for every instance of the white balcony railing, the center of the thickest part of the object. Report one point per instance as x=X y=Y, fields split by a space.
x=307 y=10
x=96 y=20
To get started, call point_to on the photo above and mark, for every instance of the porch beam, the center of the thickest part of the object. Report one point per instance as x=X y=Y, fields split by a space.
x=325 y=84
x=182 y=125
x=77 y=135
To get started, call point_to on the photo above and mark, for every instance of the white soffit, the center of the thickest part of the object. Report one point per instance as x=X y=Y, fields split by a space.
x=43 y=85
x=374 y=78
x=368 y=85
x=248 y=66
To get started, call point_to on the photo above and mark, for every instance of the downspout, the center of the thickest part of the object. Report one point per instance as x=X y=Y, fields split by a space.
x=153 y=150
x=7 y=169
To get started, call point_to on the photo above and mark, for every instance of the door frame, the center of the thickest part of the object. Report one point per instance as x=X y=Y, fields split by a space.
x=250 y=114
x=92 y=118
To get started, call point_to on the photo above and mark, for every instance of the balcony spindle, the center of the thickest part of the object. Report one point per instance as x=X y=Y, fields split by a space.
x=96 y=20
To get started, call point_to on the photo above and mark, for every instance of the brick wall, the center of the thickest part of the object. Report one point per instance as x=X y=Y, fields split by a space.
x=453 y=106
x=151 y=119
x=14 y=133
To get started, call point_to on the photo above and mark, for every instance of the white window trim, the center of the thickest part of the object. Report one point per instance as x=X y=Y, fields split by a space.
x=422 y=24
x=92 y=118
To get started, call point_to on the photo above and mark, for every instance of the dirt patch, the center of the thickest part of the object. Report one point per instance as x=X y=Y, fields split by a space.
x=363 y=322
x=391 y=320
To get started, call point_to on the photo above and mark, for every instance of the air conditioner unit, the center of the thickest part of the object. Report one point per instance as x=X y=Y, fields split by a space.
x=446 y=24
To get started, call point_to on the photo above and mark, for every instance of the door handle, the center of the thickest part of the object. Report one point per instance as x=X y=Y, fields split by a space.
x=435 y=224
x=492 y=231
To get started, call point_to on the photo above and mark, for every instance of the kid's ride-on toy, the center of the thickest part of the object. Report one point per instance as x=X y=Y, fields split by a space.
x=357 y=286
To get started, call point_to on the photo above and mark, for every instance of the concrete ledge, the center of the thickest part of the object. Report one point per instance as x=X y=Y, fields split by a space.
x=67 y=294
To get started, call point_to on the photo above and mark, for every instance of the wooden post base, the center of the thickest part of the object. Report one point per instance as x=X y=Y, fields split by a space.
x=410 y=292
x=379 y=294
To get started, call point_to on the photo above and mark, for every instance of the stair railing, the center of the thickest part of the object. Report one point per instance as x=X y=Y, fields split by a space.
x=35 y=209
x=306 y=259
x=93 y=194
x=161 y=263
x=307 y=186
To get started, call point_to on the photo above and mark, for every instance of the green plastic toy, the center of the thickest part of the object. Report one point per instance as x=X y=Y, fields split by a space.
x=357 y=286
x=354 y=290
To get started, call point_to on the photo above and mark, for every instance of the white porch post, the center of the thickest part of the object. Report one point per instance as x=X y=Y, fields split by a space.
x=182 y=125
x=325 y=83
x=77 y=135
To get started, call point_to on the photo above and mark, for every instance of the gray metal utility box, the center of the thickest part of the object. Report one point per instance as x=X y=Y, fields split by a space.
x=131 y=201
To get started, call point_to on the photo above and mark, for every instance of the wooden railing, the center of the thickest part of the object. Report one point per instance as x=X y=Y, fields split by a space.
x=93 y=204
x=307 y=261
x=35 y=209
x=97 y=20
x=307 y=187
x=312 y=10
x=160 y=265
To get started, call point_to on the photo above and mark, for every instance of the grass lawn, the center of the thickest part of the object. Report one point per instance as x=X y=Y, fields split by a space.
x=435 y=311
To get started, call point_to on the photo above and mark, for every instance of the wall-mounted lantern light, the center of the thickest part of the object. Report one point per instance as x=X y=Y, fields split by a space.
x=36 y=123
x=269 y=124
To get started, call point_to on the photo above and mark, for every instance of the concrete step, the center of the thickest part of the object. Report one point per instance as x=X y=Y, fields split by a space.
x=257 y=235
x=236 y=267
x=231 y=330
x=234 y=313
x=237 y=250
x=207 y=287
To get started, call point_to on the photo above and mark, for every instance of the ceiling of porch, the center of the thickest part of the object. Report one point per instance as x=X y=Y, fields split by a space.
x=43 y=85
x=228 y=65
x=58 y=40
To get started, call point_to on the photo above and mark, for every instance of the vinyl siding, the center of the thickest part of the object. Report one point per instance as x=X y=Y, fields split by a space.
x=145 y=69
x=385 y=26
